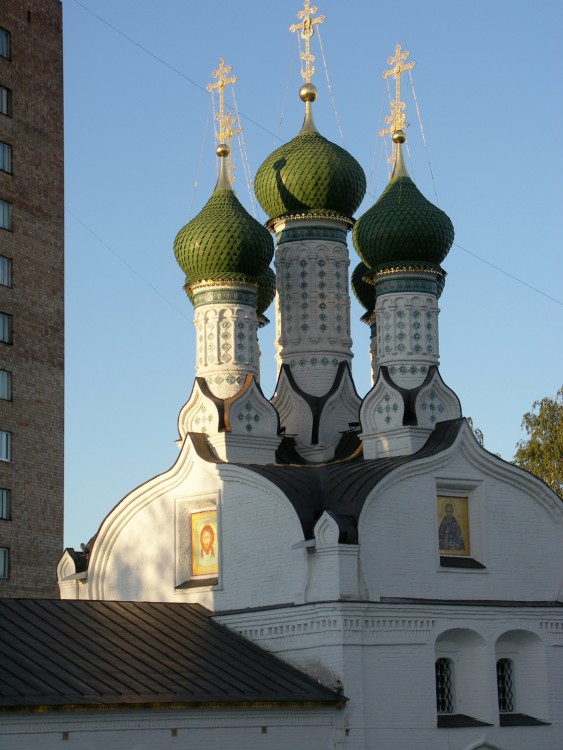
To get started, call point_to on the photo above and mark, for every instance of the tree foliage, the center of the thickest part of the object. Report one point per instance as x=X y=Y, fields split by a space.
x=542 y=452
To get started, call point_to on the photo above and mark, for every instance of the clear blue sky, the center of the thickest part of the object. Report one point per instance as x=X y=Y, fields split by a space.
x=139 y=135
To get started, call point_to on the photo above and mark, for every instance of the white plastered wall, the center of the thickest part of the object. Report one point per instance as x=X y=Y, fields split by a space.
x=515 y=522
x=136 y=552
x=205 y=729
x=382 y=656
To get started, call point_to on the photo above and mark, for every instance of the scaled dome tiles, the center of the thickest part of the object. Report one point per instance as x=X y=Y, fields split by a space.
x=310 y=175
x=223 y=242
x=403 y=227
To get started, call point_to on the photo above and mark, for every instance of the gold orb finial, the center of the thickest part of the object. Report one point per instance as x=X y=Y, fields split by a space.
x=399 y=136
x=222 y=150
x=308 y=92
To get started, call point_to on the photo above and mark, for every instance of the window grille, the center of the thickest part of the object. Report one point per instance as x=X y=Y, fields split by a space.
x=5 y=328
x=5 y=385
x=4 y=43
x=5 y=214
x=505 y=686
x=4 y=561
x=5 y=101
x=4 y=504
x=5 y=271
x=5 y=445
x=444 y=686
x=5 y=157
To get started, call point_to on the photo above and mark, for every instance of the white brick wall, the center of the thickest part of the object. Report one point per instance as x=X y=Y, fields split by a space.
x=383 y=658
x=211 y=729
x=380 y=652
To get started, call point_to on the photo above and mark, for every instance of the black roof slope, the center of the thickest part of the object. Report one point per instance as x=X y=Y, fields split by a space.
x=341 y=487
x=93 y=653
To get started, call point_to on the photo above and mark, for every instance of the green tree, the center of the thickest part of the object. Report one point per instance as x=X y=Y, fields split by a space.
x=542 y=452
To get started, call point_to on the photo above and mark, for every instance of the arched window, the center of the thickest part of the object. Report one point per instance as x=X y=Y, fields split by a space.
x=505 y=686
x=444 y=686
x=460 y=662
x=521 y=679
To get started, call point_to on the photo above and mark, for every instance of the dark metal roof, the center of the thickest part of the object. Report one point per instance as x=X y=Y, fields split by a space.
x=94 y=653
x=341 y=488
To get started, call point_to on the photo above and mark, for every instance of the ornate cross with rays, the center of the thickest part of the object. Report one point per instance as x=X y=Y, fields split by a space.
x=397 y=118
x=307 y=28
x=227 y=123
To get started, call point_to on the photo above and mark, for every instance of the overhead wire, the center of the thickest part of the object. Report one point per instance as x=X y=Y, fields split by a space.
x=245 y=162
x=166 y=64
x=266 y=130
x=423 y=138
x=125 y=263
x=510 y=275
x=330 y=87
x=284 y=102
x=204 y=138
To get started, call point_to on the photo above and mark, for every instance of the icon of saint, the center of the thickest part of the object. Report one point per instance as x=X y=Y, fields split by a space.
x=449 y=534
x=207 y=546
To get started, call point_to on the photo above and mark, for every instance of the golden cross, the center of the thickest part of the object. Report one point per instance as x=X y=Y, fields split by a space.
x=222 y=81
x=397 y=118
x=307 y=28
x=227 y=123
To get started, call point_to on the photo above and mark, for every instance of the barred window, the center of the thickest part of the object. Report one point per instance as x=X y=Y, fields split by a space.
x=505 y=686
x=5 y=271
x=5 y=157
x=5 y=445
x=4 y=43
x=4 y=562
x=5 y=101
x=444 y=686
x=5 y=328
x=5 y=385
x=5 y=497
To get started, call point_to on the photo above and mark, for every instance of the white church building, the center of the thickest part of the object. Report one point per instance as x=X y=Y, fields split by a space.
x=395 y=584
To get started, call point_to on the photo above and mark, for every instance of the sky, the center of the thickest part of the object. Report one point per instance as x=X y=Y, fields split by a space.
x=140 y=163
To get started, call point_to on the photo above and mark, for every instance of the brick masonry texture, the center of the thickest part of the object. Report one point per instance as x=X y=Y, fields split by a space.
x=35 y=416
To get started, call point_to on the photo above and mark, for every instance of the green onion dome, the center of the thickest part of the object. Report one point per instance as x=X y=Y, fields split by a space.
x=223 y=242
x=266 y=292
x=403 y=227
x=364 y=292
x=310 y=176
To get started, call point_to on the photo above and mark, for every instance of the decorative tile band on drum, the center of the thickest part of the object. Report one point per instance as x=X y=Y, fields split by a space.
x=410 y=369
x=389 y=286
x=225 y=296
x=314 y=361
x=299 y=234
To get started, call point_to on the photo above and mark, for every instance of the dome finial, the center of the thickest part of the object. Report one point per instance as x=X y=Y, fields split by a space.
x=228 y=125
x=223 y=182
x=397 y=120
x=308 y=94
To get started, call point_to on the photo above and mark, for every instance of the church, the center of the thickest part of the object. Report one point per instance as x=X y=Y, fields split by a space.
x=319 y=567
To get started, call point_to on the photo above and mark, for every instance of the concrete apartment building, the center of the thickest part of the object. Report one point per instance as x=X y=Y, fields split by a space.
x=31 y=297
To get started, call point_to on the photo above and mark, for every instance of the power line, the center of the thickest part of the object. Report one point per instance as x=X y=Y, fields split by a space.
x=510 y=275
x=125 y=263
x=167 y=64
x=266 y=130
